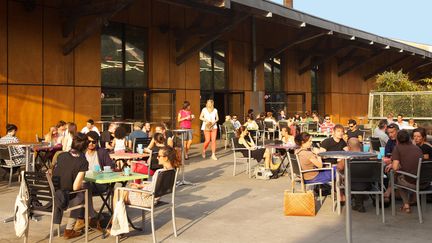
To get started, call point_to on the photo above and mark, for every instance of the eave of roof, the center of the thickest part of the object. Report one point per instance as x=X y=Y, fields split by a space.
x=298 y=16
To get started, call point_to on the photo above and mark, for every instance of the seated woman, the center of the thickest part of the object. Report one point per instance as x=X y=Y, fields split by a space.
x=405 y=158
x=286 y=137
x=153 y=149
x=250 y=124
x=71 y=167
x=258 y=154
x=168 y=160
x=310 y=160
x=419 y=137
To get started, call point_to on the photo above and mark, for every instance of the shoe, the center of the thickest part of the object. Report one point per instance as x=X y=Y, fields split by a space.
x=69 y=234
x=79 y=225
x=213 y=157
x=94 y=224
x=203 y=155
x=359 y=207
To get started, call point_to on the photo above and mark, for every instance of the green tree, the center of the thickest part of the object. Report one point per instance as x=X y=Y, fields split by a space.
x=393 y=82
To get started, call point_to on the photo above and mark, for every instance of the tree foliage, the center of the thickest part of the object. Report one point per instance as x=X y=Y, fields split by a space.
x=390 y=81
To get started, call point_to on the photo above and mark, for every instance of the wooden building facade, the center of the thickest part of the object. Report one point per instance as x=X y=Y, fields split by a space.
x=139 y=60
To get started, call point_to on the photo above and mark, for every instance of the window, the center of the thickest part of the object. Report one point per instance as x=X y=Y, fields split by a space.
x=272 y=75
x=317 y=97
x=212 y=66
x=124 y=71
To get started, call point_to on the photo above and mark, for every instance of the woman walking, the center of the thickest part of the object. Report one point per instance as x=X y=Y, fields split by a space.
x=209 y=117
x=184 y=119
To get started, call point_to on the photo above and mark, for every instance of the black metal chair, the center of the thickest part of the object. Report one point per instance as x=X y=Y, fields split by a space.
x=164 y=183
x=424 y=175
x=368 y=171
x=312 y=127
x=7 y=161
x=375 y=143
x=41 y=189
x=144 y=141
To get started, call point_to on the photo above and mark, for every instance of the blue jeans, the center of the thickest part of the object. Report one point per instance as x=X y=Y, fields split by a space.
x=323 y=176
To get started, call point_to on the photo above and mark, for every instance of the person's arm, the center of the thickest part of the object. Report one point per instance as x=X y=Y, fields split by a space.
x=202 y=117
x=150 y=146
x=113 y=143
x=77 y=185
x=217 y=117
x=129 y=144
x=179 y=118
x=316 y=160
x=170 y=142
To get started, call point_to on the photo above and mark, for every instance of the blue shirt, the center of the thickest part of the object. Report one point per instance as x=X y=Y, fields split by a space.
x=390 y=146
x=137 y=134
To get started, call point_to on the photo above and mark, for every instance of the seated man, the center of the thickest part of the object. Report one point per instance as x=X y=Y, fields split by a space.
x=353 y=131
x=137 y=133
x=108 y=136
x=229 y=127
x=168 y=135
x=380 y=132
x=10 y=137
x=327 y=126
x=90 y=127
x=147 y=129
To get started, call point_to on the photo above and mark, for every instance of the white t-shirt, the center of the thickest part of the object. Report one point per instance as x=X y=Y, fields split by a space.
x=209 y=116
x=93 y=160
x=85 y=130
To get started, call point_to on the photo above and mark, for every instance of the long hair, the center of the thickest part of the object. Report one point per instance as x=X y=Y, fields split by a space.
x=72 y=129
x=172 y=155
x=210 y=105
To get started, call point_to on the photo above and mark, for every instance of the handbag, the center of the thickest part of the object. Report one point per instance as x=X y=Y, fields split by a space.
x=21 y=212
x=120 y=223
x=299 y=204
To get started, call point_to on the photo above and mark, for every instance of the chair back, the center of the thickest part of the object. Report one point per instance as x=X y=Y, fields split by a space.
x=260 y=124
x=366 y=171
x=375 y=143
x=425 y=171
x=313 y=126
x=144 y=141
x=41 y=187
x=294 y=165
x=5 y=153
x=39 y=139
x=165 y=181
x=283 y=124
x=268 y=125
x=235 y=143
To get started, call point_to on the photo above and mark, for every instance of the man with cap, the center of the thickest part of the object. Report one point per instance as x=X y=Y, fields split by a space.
x=353 y=131
x=137 y=133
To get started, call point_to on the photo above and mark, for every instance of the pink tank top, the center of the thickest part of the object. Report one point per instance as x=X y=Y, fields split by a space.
x=186 y=123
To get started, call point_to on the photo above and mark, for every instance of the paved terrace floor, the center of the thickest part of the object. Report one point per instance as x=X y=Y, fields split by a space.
x=223 y=208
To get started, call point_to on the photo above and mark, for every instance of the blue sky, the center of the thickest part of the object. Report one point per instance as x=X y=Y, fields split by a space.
x=400 y=19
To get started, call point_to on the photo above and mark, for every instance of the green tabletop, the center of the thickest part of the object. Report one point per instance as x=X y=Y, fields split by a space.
x=111 y=177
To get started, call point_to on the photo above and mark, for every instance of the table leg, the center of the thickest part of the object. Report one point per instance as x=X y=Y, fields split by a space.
x=348 y=225
x=105 y=200
x=183 y=181
x=282 y=162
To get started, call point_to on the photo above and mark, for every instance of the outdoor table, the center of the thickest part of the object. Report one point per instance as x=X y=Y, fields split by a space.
x=48 y=149
x=110 y=179
x=128 y=156
x=286 y=147
x=182 y=133
x=319 y=134
x=318 y=139
x=347 y=156
x=28 y=147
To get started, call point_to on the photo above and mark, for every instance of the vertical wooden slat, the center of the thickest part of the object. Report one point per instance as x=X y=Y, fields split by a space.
x=58 y=104
x=87 y=105
x=24 y=44
x=3 y=41
x=25 y=110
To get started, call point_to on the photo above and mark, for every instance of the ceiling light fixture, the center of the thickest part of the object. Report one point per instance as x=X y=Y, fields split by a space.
x=269 y=15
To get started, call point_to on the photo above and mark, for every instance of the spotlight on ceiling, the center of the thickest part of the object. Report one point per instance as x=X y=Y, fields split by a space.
x=302 y=25
x=387 y=47
x=371 y=43
x=352 y=38
x=269 y=15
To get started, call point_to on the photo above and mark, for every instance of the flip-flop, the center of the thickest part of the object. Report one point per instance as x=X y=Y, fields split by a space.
x=405 y=210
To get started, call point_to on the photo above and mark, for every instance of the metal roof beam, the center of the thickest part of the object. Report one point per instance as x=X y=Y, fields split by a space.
x=385 y=67
x=359 y=63
x=301 y=38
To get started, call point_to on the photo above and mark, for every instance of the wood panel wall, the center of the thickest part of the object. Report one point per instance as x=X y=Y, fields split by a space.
x=38 y=84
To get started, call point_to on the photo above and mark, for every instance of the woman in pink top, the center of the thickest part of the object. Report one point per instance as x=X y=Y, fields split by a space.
x=184 y=119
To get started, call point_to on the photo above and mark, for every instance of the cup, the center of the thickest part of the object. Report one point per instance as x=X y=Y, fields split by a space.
x=140 y=150
x=366 y=147
x=127 y=171
x=382 y=151
x=97 y=168
x=140 y=146
x=107 y=168
x=379 y=156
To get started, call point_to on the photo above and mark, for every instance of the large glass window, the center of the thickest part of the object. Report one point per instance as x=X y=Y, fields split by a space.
x=272 y=75
x=124 y=78
x=213 y=66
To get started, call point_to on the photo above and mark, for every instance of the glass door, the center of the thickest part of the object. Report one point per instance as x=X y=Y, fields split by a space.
x=161 y=107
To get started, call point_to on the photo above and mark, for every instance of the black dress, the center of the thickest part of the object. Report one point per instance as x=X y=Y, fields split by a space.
x=257 y=154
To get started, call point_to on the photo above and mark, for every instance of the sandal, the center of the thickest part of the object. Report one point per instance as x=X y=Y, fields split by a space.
x=406 y=209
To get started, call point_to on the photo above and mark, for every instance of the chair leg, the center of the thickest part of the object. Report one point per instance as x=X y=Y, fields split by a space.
x=10 y=176
x=27 y=231
x=235 y=163
x=376 y=204
x=174 y=220
x=142 y=219
x=117 y=239
x=424 y=203
x=320 y=195
x=382 y=207
x=51 y=228
x=153 y=226
x=86 y=215
x=419 y=209
x=333 y=196
x=393 y=200
x=58 y=231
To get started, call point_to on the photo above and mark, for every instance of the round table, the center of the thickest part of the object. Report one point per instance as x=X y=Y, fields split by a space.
x=28 y=146
x=182 y=133
x=347 y=156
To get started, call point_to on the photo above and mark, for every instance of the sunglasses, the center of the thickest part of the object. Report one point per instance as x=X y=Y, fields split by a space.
x=93 y=142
